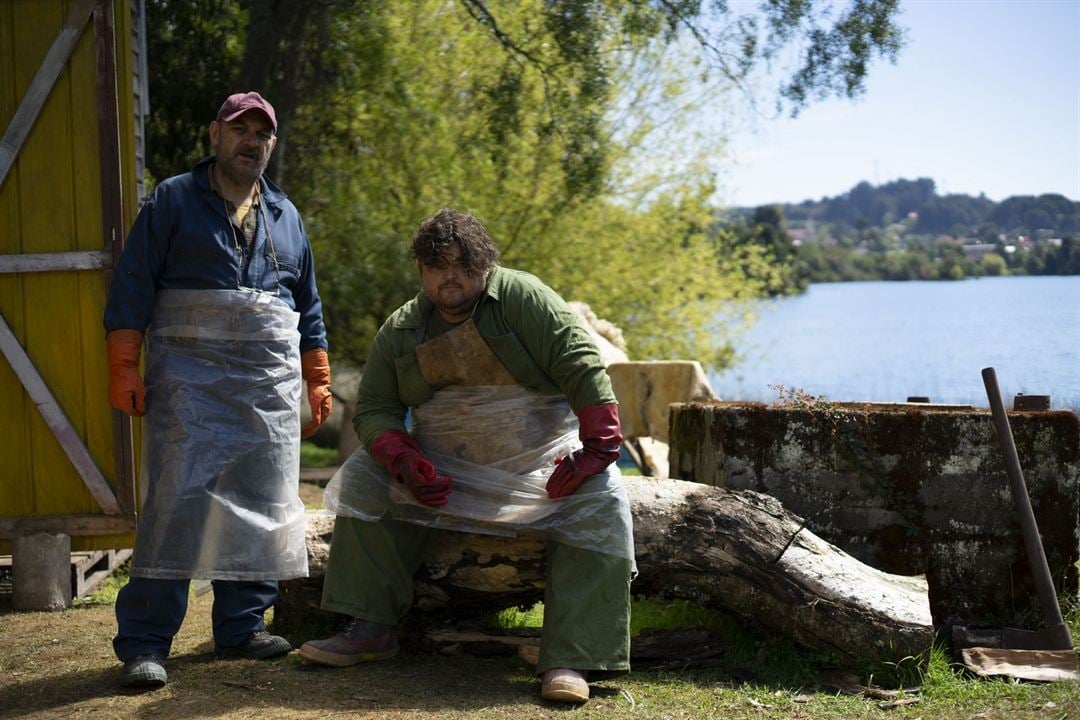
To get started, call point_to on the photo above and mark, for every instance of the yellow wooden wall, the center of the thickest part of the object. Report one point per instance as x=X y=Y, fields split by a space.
x=51 y=202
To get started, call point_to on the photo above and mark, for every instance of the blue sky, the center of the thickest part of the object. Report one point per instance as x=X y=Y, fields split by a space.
x=985 y=98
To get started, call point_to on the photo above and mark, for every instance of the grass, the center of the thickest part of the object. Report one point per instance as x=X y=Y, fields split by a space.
x=106 y=592
x=314 y=456
x=787 y=669
x=61 y=665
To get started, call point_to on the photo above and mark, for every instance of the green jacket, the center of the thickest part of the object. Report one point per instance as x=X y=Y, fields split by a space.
x=528 y=327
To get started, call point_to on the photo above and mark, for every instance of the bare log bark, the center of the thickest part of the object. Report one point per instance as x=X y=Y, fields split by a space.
x=736 y=551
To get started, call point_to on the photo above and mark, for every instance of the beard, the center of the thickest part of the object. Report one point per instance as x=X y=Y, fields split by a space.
x=454 y=301
x=243 y=169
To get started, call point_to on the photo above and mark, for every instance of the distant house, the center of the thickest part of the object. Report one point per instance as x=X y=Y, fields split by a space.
x=976 y=251
x=800 y=235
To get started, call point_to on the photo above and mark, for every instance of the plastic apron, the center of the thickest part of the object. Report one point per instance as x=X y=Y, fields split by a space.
x=221 y=455
x=498 y=441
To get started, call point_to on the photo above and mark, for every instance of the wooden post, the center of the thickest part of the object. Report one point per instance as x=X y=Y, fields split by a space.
x=41 y=565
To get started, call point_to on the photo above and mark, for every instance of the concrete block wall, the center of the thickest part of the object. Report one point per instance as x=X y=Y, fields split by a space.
x=906 y=488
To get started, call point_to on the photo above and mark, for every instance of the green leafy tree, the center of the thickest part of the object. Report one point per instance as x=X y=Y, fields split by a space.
x=765 y=252
x=434 y=145
x=194 y=47
x=552 y=120
x=993 y=264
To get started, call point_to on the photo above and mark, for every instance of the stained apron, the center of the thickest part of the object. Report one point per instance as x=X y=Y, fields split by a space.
x=221 y=448
x=498 y=441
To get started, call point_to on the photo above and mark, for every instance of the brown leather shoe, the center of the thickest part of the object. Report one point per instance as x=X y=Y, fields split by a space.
x=350 y=646
x=564 y=685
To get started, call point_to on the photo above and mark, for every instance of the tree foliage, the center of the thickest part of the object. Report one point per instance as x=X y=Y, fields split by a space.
x=903 y=230
x=867 y=205
x=563 y=124
x=766 y=252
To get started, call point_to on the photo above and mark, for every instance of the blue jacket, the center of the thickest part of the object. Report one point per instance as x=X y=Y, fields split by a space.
x=182 y=239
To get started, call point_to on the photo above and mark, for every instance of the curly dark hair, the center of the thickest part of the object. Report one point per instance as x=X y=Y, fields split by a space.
x=478 y=251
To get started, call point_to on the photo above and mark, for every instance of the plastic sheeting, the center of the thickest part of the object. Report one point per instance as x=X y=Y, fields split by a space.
x=499 y=444
x=221 y=460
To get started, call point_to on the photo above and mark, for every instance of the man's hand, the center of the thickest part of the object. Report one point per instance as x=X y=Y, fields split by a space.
x=315 y=369
x=127 y=393
x=426 y=484
x=601 y=437
x=399 y=453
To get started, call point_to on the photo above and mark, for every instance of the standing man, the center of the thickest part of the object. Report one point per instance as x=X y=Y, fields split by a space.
x=494 y=367
x=217 y=276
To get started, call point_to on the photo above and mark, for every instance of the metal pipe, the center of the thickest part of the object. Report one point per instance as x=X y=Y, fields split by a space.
x=1056 y=631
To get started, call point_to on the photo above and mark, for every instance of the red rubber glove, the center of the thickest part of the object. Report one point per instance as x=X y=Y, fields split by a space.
x=127 y=393
x=601 y=437
x=315 y=369
x=399 y=453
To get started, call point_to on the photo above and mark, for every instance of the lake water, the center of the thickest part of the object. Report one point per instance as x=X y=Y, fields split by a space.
x=885 y=341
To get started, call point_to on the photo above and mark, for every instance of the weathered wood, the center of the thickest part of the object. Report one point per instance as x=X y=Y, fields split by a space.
x=38 y=92
x=54 y=262
x=57 y=420
x=653 y=648
x=893 y=485
x=41 y=568
x=75 y=525
x=740 y=552
x=90 y=569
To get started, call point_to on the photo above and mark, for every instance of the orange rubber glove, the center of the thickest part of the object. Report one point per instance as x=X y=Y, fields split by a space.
x=315 y=369
x=401 y=455
x=127 y=393
x=601 y=438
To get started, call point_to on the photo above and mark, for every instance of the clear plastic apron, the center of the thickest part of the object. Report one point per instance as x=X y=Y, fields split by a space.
x=221 y=447
x=499 y=443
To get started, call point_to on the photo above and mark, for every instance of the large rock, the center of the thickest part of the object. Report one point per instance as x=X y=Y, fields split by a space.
x=906 y=488
x=646 y=391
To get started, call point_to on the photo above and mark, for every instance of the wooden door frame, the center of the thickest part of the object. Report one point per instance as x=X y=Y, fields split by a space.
x=118 y=508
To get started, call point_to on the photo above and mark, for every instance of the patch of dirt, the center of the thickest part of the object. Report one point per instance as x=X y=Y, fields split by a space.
x=311 y=494
x=61 y=664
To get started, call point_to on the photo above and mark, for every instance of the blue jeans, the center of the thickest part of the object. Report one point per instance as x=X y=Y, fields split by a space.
x=149 y=613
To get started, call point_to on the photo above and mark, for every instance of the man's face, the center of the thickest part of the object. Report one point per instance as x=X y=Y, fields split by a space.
x=242 y=146
x=450 y=287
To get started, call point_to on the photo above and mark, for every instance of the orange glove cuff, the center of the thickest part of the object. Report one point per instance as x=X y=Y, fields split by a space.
x=315 y=369
x=127 y=393
x=315 y=366
x=124 y=348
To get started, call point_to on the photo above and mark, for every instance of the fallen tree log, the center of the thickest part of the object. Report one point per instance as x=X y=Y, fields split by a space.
x=737 y=551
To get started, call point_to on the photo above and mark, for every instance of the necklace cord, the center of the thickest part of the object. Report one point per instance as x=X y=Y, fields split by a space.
x=236 y=240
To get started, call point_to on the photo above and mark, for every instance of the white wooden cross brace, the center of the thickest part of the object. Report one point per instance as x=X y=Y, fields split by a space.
x=42 y=84
x=46 y=262
x=56 y=420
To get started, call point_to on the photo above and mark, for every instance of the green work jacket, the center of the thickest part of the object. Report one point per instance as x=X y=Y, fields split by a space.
x=527 y=325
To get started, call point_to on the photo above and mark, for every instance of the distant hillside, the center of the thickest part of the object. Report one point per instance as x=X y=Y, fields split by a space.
x=902 y=230
x=959 y=215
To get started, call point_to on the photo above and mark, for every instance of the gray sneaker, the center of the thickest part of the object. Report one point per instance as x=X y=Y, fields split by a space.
x=258 y=646
x=144 y=671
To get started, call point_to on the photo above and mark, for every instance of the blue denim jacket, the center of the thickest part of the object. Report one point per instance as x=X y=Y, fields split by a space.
x=182 y=239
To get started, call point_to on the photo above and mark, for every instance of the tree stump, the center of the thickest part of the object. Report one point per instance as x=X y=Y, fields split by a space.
x=41 y=569
x=736 y=551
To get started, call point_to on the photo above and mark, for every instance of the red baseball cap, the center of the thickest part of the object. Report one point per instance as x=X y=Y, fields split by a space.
x=239 y=103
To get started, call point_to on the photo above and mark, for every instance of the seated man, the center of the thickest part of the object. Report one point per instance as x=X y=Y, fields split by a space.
x=494 y=367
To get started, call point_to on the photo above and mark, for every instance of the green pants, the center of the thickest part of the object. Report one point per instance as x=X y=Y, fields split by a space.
x=586 y=596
